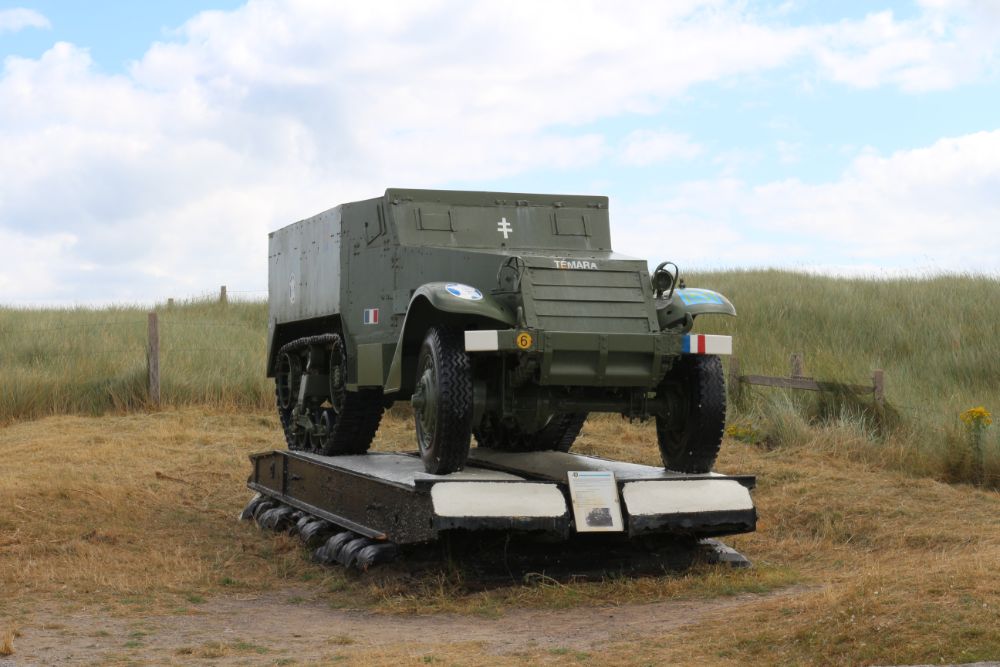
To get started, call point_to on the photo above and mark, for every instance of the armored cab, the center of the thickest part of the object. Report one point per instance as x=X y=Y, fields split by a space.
x=501 y=317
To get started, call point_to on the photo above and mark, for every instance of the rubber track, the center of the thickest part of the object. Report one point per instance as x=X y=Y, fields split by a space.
x=455 y=389
x=569 y=429
x=299 y=343
x=355 y=427
x=284 y=417
x=705 y=419
x=558 y=435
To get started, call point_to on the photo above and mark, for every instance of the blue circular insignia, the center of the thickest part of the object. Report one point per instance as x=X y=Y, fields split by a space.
x=464 y=291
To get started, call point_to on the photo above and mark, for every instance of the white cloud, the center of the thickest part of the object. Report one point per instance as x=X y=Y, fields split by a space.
x=789 y=152
x=948 y=44
x=32 y=273
x=13 y=20
x=645 y=147
x=933 y=208
x=170 y=176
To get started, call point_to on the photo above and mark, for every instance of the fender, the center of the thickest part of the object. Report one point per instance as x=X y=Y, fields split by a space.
x=443 y=303
x=690 y=301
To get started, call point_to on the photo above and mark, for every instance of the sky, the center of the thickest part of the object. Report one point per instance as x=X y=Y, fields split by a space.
x=147 y=149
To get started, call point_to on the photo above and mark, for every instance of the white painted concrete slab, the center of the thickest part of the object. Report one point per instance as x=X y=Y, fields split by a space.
x=702 y=495
x=497 y=499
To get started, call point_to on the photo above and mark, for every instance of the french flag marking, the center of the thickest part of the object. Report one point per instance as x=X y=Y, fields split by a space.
x=371 y=316
x=706 y=344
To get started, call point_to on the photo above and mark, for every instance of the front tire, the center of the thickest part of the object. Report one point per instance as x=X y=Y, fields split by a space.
x=690 y=442
x=442 y=401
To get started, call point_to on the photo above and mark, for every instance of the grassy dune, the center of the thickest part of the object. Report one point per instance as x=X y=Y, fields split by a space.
x=92 y=361
x=935 y=338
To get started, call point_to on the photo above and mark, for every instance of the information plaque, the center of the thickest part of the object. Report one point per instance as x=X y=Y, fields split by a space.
x=596 y=505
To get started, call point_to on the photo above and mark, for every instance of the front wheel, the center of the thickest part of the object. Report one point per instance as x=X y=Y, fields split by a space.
x=690 y=440
x=442 y=401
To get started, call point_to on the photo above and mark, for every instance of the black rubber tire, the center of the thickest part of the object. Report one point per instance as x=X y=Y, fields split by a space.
x=692 y=445
x=558 y=435
x=444 y=422
x=356 y=415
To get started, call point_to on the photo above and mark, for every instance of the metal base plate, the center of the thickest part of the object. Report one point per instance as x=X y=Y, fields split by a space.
x=385 y=496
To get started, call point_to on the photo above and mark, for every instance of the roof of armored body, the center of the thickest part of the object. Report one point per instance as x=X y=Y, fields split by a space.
x=483 y=198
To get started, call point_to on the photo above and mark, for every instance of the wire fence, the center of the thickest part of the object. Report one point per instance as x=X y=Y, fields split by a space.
x=129 y=338
x=48 y=354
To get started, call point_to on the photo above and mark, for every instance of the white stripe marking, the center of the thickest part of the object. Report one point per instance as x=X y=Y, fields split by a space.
x=718 y=344
x=712 y=344
x=482 y=341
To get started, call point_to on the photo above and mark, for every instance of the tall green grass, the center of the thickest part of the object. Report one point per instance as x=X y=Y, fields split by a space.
x=92 y=361
x=936 y=338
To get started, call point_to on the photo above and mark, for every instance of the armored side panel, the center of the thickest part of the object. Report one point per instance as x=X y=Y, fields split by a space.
x=304 y=277
x=304 y=268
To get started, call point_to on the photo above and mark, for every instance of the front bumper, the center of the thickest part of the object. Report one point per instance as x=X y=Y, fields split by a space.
x=596 y=359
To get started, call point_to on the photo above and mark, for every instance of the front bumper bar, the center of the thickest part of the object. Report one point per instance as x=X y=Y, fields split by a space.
x=596 y=359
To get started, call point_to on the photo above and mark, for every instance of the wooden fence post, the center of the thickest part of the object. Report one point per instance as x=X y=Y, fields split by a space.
x=734 y=376
x=796 y=363
x=153 y=359
x=222 y=295
x=878 y=386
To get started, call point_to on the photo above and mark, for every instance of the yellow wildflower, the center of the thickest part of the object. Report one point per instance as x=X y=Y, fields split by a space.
x=742 y=433
x=976 y=417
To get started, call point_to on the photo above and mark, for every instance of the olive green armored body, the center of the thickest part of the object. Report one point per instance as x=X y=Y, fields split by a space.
x=504 y=318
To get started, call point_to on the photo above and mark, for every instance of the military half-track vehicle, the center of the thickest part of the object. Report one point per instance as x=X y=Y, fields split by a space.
x=502 y=317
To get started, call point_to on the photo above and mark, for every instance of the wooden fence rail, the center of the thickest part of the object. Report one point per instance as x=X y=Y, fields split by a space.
x=797 y=379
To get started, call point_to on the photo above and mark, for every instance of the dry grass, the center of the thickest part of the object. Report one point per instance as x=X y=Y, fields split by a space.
x=212 y=650
x=135 y=514
x=7 y=643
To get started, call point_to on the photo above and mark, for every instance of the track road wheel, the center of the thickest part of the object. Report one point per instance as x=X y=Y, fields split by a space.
x=691 y=442
x=442 y=401
x=349 y=426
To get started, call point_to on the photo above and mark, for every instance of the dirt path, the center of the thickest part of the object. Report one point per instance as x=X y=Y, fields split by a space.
x=280 y=629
